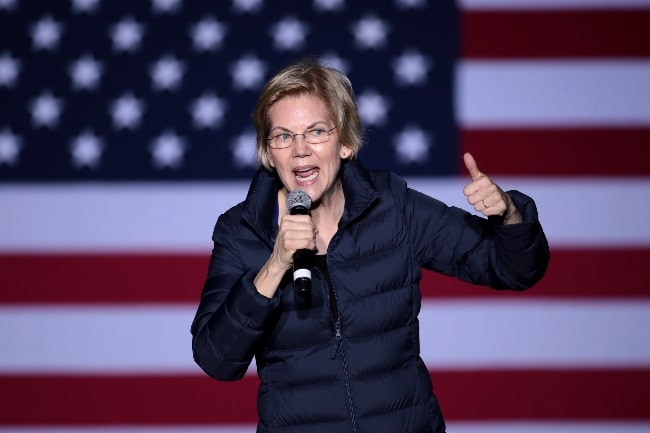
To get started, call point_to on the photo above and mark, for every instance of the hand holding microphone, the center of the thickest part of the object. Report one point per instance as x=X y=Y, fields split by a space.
x=296 y=233
x=298 y=203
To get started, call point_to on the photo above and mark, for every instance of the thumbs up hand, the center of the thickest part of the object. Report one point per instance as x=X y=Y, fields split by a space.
x=486 y=196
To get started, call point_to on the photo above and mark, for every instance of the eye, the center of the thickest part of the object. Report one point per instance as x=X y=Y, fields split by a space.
x=284 y=137
x=317 y=132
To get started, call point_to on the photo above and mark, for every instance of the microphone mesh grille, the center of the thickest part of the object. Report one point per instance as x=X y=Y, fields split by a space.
x=298 y=197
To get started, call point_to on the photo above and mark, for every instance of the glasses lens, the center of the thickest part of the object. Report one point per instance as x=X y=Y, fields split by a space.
x=281 y=141
x=316 y=136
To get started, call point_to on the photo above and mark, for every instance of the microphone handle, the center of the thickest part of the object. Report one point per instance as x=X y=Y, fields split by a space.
x=302 y=261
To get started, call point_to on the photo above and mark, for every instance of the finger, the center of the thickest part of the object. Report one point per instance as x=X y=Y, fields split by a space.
x=494 y=204
x=472 y=167
x=299 y=228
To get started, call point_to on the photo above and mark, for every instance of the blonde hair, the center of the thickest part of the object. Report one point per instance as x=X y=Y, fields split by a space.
x=308 y=77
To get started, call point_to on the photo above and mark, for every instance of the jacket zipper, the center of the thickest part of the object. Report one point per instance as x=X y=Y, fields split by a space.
x=334 y=311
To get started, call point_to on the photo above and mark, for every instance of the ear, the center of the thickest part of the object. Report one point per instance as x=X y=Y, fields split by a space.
x=345 y=152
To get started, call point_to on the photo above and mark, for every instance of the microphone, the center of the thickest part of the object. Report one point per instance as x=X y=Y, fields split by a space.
x=298 y=203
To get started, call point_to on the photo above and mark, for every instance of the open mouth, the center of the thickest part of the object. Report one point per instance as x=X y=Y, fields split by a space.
x=306 y=174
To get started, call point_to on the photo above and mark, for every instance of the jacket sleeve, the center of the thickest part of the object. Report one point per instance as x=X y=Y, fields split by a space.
x=455 y=242
x=232 y=315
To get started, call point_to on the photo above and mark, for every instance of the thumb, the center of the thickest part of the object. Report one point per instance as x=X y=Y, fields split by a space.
x=470 y=164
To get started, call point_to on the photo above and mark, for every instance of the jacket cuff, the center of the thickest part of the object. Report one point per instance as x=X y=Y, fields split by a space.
x=521 y=236
x=248 y=307
x=525 y=205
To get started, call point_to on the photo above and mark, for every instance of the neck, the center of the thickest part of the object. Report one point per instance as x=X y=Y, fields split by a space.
x=327 y=215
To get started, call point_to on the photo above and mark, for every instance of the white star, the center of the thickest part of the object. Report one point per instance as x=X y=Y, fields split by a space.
x=86 y=149
x=243 y=150
x=412 y=145
x=10 y=145
x=411 y=68
x=289 y=34
x=408 y=4
x=7 y=4
x=166 y=6
x=332 y=60
x=167 y=150
x=127 y=35
x=81 y=6
x=208 y=34
x=243 y=6
x=373 y=108
x=328 y=5
x=46 y=34
x=247 y=72
x=46 y=110
x=167 y=73
x=9 y=70
x=127 y=112
x=370 y=32
x=208 y=111
x=85 y=73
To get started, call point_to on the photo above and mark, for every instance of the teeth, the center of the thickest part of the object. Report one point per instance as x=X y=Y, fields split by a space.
x=308 y=178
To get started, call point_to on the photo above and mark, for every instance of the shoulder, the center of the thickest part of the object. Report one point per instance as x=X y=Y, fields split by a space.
x=229 y=220
x=235 y=212
x=389 y=185
x=380 y=180
x=396 y=192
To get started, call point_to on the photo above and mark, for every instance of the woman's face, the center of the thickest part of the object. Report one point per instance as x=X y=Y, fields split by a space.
x=312 y=168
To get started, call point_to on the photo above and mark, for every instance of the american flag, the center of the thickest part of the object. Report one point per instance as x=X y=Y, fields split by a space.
x=125 y=131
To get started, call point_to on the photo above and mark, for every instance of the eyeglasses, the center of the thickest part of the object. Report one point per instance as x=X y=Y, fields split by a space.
x=312 y=136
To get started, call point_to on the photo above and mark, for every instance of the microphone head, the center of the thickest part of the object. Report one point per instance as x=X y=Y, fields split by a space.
x=298 y=198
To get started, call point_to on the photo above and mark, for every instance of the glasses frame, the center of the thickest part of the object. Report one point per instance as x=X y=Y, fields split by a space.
x=293 y=137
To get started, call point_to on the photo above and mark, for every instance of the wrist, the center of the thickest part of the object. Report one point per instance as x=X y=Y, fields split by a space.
x=269 y=277
x=511 y=215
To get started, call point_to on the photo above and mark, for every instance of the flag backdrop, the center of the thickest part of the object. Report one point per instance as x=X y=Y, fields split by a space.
x=125 y=132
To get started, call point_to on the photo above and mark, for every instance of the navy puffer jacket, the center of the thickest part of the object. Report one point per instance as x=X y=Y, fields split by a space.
x=349 y=359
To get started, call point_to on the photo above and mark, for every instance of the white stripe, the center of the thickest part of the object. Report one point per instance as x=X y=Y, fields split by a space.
x=573 y=211
x=88 y=338
x=543 y=334
x=546 y=427
x=113 y=217
x=553 y=93
x=551 y=4
x=454 y=334
x=452 y=427
x=218 y=428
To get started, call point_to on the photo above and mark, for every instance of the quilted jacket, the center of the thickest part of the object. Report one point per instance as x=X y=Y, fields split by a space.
x=348 y=359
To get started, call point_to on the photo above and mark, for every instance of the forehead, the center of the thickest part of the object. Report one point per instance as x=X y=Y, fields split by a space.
x=298 y=110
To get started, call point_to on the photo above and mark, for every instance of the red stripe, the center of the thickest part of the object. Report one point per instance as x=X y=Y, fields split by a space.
x=130 y=278
x=560 y=152
x=555 y=34
x=577 y=273
x=78 y=400
x=89 y=278
x=548 y=395
x=467 y=395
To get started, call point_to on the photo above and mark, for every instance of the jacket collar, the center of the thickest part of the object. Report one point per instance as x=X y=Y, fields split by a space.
x=360 y=192
x=260 y=207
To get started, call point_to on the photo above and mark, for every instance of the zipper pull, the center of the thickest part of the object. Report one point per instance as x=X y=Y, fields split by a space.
x=339 y=339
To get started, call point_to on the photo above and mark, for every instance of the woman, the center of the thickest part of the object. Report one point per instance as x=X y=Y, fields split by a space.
x=346 y=358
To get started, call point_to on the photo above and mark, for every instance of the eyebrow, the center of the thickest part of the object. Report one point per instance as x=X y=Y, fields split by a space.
x=311 y=126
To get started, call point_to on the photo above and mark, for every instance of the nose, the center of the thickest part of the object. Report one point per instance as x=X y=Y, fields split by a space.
x=300 y=145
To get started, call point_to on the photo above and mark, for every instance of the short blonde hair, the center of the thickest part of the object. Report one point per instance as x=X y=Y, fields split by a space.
x=308 y=77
